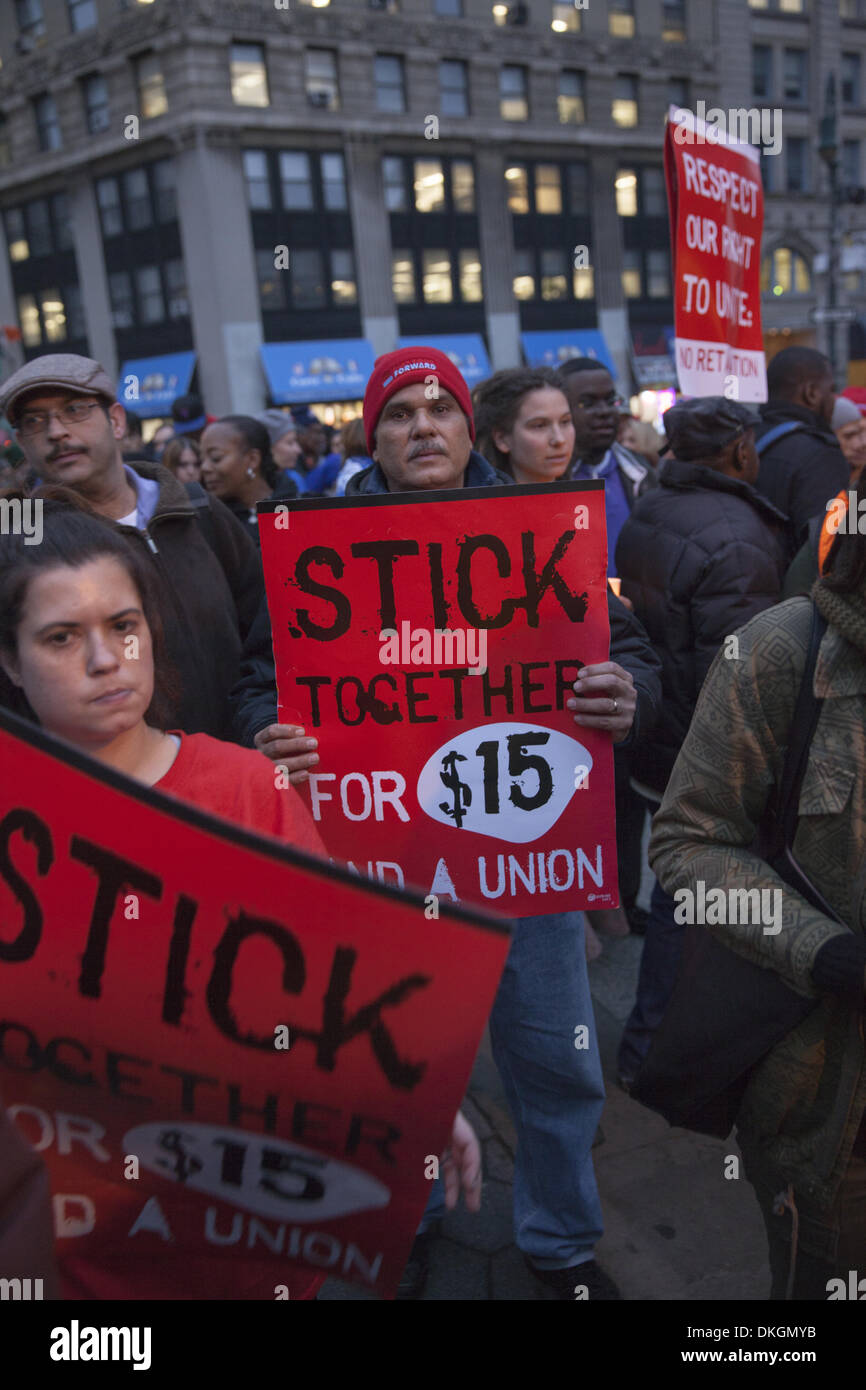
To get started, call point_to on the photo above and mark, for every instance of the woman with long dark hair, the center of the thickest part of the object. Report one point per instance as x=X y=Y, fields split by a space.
x=800 y=1124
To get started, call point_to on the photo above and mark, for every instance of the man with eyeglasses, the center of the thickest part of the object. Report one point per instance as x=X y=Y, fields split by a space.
x=594 y=402
x=71 y=429
x=590 y=390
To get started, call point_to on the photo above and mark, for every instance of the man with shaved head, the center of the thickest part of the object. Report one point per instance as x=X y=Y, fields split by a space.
x=802 y=466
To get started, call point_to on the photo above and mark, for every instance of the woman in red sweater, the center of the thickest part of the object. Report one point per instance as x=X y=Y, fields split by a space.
x=81 y=654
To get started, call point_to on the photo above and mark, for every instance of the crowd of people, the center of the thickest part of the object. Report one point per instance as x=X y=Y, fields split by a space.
x=724 y=539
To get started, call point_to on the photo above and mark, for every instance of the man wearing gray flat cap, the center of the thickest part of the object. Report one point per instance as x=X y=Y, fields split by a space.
x=699 y=556
x=70 y=425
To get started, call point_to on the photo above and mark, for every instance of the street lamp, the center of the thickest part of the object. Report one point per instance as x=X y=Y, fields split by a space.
x=829 y=151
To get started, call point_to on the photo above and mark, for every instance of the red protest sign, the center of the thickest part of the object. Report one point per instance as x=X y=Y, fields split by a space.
x=234 y=1058
x=431 y=641
x=716 y=205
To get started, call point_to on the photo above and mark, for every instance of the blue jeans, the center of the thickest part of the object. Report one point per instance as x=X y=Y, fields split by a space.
x=555 y=1091
x=660 y=962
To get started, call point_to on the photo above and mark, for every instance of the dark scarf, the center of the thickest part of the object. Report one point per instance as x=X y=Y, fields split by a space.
x=845 y=612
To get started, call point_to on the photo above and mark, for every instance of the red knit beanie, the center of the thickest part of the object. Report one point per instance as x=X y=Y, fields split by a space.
x=404 y=367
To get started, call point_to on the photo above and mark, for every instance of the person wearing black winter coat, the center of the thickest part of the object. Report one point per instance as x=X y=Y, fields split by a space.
x=699 y=556
x=802 y=468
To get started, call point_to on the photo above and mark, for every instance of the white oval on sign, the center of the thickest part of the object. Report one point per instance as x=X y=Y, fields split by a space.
x=258 y=1172
x=509 y=781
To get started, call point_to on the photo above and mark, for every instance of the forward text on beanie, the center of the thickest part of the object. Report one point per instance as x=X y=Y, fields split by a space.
x=404 y=367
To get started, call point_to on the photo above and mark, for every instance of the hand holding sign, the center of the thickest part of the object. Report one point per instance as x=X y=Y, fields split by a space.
x=606 y=699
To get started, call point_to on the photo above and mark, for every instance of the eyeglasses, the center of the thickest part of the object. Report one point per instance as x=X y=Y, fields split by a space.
x=590 y=403
x=73 y=413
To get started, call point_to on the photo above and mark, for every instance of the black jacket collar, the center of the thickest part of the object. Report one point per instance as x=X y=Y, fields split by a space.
x=694 y=477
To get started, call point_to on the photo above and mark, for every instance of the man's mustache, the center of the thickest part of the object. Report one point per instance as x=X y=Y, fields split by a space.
x=426 y=449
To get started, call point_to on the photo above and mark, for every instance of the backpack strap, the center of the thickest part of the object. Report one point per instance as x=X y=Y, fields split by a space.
x=777 y=432
x=200 y=501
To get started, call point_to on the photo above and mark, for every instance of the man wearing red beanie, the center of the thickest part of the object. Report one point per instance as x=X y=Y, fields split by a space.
x=419 y=428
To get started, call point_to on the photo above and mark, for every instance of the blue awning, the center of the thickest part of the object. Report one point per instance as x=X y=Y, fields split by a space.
x=552 y=349
x=336 y=370
x=150 y=385
x=466 y=350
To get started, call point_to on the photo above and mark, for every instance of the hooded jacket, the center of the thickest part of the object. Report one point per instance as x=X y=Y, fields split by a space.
x=699 y=556
x=806 y=1098
x=802 y=470
x=210 y=585
x=255 y=696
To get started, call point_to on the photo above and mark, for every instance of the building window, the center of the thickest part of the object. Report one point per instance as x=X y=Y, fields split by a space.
x=333 y=182
x=436 y=277
x=620 y=18
x=453 y=8
x=296 y=182
x=624 y=106
x=82 y=15
x=429 y=186
x=389 y=6
x=785 y=272
x=390 y=84
x=469 y=267
x=517 y=183
x=164 y=190
x=95 y=92
x=523 y=283
x=28 y=317
x=175 y=289
x=570 y=101
x=307 y=280
x=463 y=185
x=453 y=88
x=658 y=275
x=394 y=180
x=122 y=301
x=16 y=237
x=47 y=123
x=403 y=277
x=516 y=13
x=31 y=22
x=565 y=18
x=548 y=188
x=151 y=87
x=554 y=281
x=344 y=284
x=795 y=69
x=110 y=214
x=625 y=186
x=323 y=88
x=630 y=275
x=139 y=213
x=674 y=21
x=249 y=78
x=850 y=75
x=513 y=101
x=5 y=147
x=851 y=162
x=53 y=316
x=272 y=282
x=39 y=228
x=578 y=189
x=762 y=70
x=653 y=195
x=258 y=183
x=678 y=93
x=151 y=307
x=796 y=170
x=583 y=282
x=316 y=4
